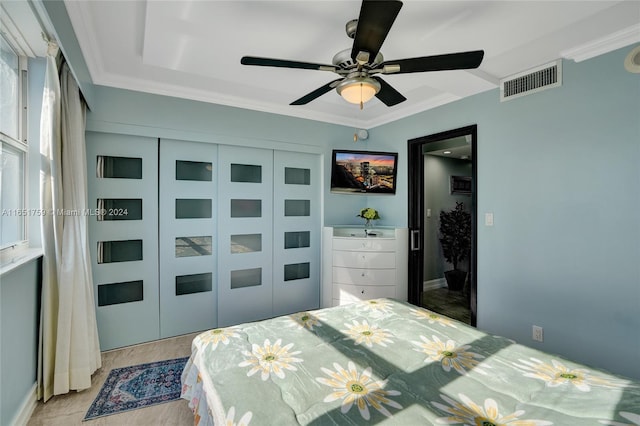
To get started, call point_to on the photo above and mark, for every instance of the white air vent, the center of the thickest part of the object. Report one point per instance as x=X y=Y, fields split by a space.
x=531 y=81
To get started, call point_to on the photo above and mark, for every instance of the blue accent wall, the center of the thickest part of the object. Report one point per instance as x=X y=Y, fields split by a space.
x=560 y=170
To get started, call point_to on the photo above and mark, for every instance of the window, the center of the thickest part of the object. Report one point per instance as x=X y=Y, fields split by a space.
x=13 y=147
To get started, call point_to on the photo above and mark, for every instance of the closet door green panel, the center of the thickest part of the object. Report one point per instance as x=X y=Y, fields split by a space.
x=124 y=246
x=188 y=258
x=245 y=224
x=296 y=232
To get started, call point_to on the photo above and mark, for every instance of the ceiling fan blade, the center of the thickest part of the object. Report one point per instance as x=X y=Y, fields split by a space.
x=450 y=61
x=375 y=21
x=316 y=93
x=387 y=94
x=283 y=63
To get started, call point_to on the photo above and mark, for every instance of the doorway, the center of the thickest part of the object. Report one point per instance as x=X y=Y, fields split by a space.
x=442 y=173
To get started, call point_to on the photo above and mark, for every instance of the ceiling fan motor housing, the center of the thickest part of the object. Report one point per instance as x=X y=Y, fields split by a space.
x=343 y=60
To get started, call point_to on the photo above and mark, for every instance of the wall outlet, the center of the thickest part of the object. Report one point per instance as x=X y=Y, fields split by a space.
x=537 y=333
x=488 y=219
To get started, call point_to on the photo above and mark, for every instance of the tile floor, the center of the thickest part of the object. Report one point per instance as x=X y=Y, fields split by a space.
x=454 y=304
x=70 y=409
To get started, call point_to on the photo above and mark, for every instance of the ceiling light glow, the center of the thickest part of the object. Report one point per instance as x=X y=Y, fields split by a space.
x=358 y=90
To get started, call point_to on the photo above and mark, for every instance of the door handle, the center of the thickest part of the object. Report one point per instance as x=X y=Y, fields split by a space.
x=100 y=252
x=415 y=240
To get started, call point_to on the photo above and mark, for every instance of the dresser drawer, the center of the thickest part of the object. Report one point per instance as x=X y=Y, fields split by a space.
x=361 y=276
x=364 y=260
x=364 y=244
x=345 y=293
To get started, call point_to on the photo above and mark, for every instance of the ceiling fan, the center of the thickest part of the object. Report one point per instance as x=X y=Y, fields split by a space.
x=358 y=66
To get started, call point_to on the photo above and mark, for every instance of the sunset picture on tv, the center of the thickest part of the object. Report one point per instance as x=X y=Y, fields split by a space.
x=363 y=172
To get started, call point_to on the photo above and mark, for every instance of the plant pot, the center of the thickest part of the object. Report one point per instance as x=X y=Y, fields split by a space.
x=455 y=279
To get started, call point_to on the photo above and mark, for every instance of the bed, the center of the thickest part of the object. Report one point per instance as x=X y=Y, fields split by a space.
x=388 y=362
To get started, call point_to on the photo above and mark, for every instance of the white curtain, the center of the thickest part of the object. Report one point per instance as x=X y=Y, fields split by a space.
x=69 y=347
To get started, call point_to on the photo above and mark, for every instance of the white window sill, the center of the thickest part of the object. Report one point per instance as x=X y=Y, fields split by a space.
x=22 y=258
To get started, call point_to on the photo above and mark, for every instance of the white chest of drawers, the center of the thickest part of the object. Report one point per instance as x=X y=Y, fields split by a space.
x=359 y=267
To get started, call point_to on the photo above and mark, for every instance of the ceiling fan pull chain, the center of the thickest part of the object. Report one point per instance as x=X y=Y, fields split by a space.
x=361 y=103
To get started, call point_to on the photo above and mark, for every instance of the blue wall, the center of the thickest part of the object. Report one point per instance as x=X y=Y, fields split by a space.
x=143 y=114
x=560 y=171
x=19 y=294
x=20 y=288
x=438 y=198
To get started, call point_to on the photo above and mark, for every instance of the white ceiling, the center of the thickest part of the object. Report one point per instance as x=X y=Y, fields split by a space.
x=192 y=49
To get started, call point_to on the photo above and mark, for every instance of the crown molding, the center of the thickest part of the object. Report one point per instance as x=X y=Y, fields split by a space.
x=604 y=45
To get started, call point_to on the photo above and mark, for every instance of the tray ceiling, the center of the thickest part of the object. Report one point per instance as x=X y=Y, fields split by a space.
x=192 y=49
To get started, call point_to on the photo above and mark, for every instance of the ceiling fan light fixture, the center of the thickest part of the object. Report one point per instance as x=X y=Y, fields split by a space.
x=358 y=90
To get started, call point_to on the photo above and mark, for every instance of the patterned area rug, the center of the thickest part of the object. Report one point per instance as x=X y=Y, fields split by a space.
x=138 y=386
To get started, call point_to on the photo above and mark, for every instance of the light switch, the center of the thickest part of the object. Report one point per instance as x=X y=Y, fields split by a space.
x=488 y=219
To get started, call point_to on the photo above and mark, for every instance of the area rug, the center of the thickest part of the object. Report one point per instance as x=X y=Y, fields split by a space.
x=138 y=386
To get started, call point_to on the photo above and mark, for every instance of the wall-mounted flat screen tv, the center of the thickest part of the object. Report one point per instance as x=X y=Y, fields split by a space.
x=364 y=172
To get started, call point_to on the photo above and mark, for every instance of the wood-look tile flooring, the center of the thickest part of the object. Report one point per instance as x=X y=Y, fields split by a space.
x=70 y=409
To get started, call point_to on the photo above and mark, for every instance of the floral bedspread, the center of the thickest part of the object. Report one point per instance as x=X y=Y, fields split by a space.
x=388 y=362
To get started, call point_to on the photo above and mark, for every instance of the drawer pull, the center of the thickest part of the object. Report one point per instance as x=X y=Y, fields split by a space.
x=363 y=274
x=362 y=292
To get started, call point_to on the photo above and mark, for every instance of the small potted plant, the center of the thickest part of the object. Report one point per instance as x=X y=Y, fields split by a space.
x=368 y=214
x=455 y=238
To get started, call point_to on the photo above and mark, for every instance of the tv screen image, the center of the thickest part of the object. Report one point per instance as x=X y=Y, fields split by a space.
x=364 y=172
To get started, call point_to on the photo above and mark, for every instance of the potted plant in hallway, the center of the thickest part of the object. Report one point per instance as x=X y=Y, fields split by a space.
x=455 y=238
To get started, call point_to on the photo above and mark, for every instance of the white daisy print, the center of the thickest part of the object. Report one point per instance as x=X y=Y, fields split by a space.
x=359 y=389
x=269 y=359
x=450 y=355
x=219 y=335
x=468 y=412
x=376 y=306
x=557 y=374
x=632 y=417
x=367 y=334
x=432 y=317
x=231 y=421
x=306 y=320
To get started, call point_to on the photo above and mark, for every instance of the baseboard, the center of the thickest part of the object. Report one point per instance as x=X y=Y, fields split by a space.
x=25 y=411
x=434 y=284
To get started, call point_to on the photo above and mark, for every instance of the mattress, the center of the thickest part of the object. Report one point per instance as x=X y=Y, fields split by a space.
x=388 y=362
